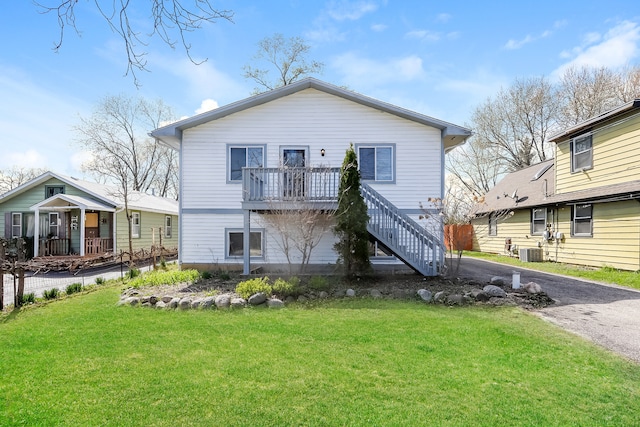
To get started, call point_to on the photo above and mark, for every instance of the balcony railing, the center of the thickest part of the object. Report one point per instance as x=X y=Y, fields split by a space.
x=286 y=184
x=97 y=245
x=54 y=247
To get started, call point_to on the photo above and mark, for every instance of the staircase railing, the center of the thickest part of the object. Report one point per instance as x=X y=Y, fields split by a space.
x=409 y=241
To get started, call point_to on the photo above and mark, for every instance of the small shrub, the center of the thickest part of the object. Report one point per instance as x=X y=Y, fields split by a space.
x=224 y=275
x=286 y=287
x=29 y=298
x=51 y=293
x=100 y=280
x=318 y=283
x=163 y=264
x=73 y=288
x=253 y=286
x=133 y=273
x=169 y=277
x=206 y=275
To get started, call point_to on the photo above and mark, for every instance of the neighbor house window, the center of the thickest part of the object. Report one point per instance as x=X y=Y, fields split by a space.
x=135 y=225
x=582 y=220
x=581 y=153
x=493 y=224
x=54 y=225
x=538 y=221
x=235 y=244
x=244 y=156
x=52 y=190
x=16 y=225
x=168 y=221
x=376 y=163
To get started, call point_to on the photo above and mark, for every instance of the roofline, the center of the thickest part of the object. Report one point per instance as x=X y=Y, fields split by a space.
x=171 y=134
x=595 y=120
x=70 y=199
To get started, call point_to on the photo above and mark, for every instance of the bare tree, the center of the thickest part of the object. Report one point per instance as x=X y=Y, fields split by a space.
x=287 y=57
x=16 y=176
x=518 y=121
x=116 y=134
x=171 y=22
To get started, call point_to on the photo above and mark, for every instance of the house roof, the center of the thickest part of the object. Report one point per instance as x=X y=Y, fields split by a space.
x=65 y=201
x=104 y=194
x=452 y=135
x=526 y=187
x=538 y=192
x=580 y=127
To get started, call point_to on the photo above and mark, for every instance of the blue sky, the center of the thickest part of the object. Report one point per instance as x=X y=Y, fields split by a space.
x=437 y=58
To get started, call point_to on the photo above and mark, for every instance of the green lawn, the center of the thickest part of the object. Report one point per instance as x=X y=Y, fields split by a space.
x=83 y=361
x=605 y=274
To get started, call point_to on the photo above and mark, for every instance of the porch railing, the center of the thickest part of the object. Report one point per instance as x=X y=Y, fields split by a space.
x=54 y=247
x=97 y=245
x=411 y=242
x=290 y=184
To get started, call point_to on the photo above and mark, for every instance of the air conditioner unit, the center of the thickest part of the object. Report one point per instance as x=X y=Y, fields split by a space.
x=531 y=255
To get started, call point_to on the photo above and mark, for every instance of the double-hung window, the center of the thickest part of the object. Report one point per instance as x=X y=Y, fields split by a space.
x=235 y=244
x=493 y=224
x=582 y=220
x=377 y=162
x=581 y=153
x=243 y=156
x=54 y=225
x=168 y=222
x=135 y=225
x=538 y=221
x=16 y=225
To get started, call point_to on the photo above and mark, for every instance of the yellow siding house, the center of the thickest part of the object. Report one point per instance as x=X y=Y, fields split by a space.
x=582 y=207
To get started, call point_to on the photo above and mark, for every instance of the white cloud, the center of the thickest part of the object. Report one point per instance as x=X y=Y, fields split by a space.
x=207 y=105
x=324 y=34
x=30 y=158
x=619 y=46
x=423 y=35
x=361 y=71
x=443 y=17
x=79 y=158
x=350 y=10
x=378 y=27
x=513 y=44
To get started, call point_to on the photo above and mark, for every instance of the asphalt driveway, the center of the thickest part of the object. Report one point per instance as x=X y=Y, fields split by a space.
x=608 y=315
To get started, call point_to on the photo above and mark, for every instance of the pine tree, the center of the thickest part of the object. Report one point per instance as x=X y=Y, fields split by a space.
x=351 y=220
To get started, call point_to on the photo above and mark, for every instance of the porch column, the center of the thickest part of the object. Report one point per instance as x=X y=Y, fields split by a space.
x=246 y=242
x=36 y=233
x=82 y=222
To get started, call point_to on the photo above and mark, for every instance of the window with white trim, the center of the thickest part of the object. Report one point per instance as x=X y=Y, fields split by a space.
x=135 y=225
x=581 y=153
x=582 y=220
x=243 y=156
x=52 y=190
x=54 y=225
x=16 y=225
x=493 y=224
x=235 y=244
x=376 y=162
x=168 y=226
x=538 y=221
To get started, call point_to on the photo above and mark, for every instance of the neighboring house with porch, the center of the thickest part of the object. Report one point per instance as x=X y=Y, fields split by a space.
x=582 y=207
x=282 y=150
x=75 y=217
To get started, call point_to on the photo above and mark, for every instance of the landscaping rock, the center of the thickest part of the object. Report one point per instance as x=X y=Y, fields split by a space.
x=495 y=291
x=302 y=299
x=532 y=288
x=167 y=299
x=290 y=299
x=498 y=281
x=222 y=301
x=375 y=293
x=350 y=293
x=440 y=296
x=339 y=293
x=238 y=302
x=456 y=299
x=207 y=302
x=174 y=302
x=160 y=305
x=257 y=299
x=145 y=300
x=132 y=301
x=275 y=303
x=153 y=300
x=425 y=295
x=196 y=303
x=323 y=295
x=184 y=304
x=479 y=295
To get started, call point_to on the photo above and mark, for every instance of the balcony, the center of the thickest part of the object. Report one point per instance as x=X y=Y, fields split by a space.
x=272 y=189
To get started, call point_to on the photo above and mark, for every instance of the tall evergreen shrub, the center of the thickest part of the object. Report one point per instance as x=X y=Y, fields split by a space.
x=351 y=220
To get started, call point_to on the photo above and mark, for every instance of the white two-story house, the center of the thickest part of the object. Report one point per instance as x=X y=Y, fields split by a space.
x=283 y=150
